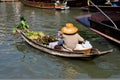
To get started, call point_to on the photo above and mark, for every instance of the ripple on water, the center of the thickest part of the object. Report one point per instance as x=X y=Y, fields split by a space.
x=19 y=60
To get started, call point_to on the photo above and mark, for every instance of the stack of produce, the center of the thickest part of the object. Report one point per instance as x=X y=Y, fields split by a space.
x=39 y=37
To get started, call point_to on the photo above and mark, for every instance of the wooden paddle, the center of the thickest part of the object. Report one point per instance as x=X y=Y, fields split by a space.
x=89 y=1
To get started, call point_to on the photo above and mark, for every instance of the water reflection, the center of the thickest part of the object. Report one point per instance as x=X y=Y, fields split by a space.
x=88 y=69
x=70 y=67
x=21 y=46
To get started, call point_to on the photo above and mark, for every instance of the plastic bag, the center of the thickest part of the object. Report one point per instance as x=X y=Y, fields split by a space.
x=86 y=44
x=83 y=46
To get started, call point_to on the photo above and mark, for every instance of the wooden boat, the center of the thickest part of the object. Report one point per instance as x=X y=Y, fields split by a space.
x=100 y=24
x=94 y=52
x=42 y=5
x=80 y=3
x=102 y=7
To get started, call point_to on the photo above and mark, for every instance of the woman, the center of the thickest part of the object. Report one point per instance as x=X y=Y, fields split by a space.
x=70 y=36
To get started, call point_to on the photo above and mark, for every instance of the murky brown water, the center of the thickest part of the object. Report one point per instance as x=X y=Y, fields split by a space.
x=18 y=60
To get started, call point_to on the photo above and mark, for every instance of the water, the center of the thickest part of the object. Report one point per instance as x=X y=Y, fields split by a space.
x=18 y=60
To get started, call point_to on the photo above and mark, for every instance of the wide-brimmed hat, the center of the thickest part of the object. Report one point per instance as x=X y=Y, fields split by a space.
x=69 y=28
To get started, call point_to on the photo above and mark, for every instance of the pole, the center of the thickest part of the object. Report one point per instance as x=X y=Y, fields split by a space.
x=103 y=14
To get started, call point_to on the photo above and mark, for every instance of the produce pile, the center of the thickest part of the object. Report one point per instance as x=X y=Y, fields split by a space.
x=39 y=37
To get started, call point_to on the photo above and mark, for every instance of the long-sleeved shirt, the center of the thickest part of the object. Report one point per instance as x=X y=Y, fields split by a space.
x=70 y=41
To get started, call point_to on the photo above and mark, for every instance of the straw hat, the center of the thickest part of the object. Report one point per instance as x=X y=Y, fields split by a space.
x=69 y=29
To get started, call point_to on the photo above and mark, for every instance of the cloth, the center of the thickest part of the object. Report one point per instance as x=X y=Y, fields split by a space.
x=53 y=44
x=84 y=46
x=60 y=42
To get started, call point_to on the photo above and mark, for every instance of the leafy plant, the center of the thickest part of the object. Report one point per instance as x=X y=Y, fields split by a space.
x=23 y=25
x=39 y=37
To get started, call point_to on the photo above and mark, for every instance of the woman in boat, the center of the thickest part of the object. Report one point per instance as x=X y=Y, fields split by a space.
x=70 y=36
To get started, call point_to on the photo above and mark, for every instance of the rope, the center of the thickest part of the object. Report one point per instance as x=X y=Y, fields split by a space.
x=103 y=13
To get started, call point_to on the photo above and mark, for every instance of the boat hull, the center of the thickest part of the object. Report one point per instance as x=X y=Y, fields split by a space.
x=94 y=53
x=102 y=25
x=41 y=5
x=62 y=8
x=102 y=7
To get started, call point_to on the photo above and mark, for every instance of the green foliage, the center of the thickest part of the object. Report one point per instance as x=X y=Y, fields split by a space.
x=23 y=25
x=39 y=37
